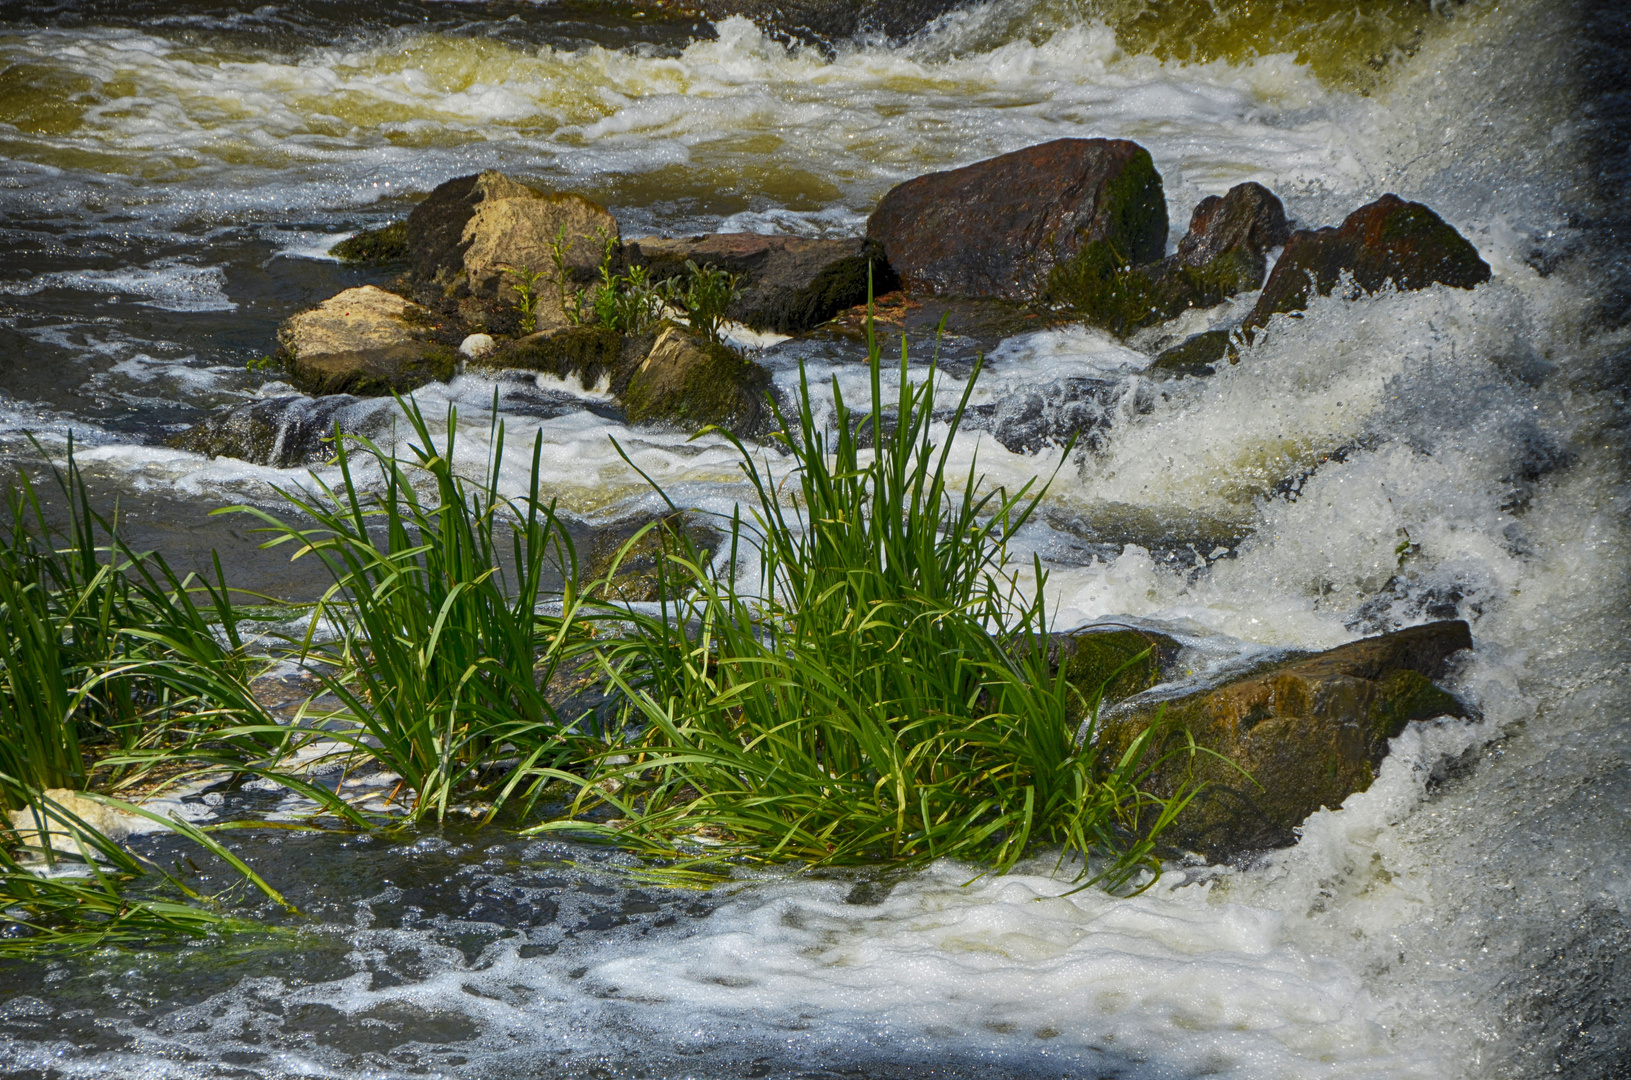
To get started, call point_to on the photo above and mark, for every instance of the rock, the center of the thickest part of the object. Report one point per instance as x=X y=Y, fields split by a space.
x=468 y=233
x=1029 y=420
x=113 y=823
x=1224 y=253
x=374 y=246
x=286 y=431
x=1248 y=218
x=1311 y=731
x=1120 y=661
x=363 y=341
x=999 y=227
x=1387 y=240
x=590 y=353
x=693 y=383
x=1195 y=355
x=477 y=346
x=789 y=284
x=635 y=578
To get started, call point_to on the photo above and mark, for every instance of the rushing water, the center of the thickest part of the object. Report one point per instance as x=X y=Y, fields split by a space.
x=174 y=169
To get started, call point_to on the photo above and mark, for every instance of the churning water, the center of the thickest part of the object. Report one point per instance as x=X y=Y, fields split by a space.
x=174 y=169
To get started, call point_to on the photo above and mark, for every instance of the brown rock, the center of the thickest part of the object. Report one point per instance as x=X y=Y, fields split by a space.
x=468 y=232
x=1308 y=732
x=1247 y=218
x=789 y=284
x=999 y=227
x=363 y=341
x=1387 y=240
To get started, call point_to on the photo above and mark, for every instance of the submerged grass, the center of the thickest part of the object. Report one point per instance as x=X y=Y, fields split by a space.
x=884 y=694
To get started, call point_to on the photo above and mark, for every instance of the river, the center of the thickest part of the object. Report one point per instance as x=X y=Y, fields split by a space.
x=172 y=173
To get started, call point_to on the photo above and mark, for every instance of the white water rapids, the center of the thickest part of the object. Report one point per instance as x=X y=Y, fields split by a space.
x=1375 y=463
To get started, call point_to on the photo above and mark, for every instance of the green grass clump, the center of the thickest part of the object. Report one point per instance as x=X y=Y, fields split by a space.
x=442 y=654
x=884 y=695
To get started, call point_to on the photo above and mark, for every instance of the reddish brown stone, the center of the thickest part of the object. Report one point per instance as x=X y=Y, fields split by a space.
x=998 y=227
x=1388 y=240
x=1249 y=218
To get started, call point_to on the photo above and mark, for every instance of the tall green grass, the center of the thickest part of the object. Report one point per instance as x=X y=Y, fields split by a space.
x=884 y=693
x=441 y=655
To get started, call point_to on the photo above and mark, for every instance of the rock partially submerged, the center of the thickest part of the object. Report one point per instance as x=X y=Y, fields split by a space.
x=999 y=227
x=364 y=341
x=1389 y=240
x=826 y=22
x=286 y=431
x=1224 y=253
x=1290 y=738
x=692 y=382
x=789 y=284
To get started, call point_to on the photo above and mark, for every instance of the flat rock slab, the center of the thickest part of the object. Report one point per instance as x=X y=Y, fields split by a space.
x=1387 y=240
x=1290 y=738
x=789 y=284
x=997 y=228
x=363 y=341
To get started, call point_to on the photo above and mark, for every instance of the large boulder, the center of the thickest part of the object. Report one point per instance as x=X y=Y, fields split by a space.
x=470 y=233
x=999 y=227
x=691 y=382
x=1387 y=240
x=788 y=284
x=364 y=341
x=285 y=431
x=1289 y=738
x=1225 y=252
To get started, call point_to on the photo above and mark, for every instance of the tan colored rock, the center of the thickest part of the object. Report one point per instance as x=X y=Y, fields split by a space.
x=363 y=341
x=112 y=823
x=1290 y=738
x=471 y=230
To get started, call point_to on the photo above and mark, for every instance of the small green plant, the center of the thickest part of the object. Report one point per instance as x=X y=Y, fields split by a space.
x=706 y=296
x=571 y=299
x=640 y=303
x=525 y=287
x=263 y=365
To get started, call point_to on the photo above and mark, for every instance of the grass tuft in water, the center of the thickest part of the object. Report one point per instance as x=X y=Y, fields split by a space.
x=441 y=655
x=883 y=695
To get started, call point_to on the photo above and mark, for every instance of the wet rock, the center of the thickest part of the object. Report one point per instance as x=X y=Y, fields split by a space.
x=374 y=247
x=692 y=383
x=588 y=353
x=469 y=233
x=1308 y=731
x=824 y=22
x=789 y=284
x=363 y=341
x=111 y=822
x=1117 y=661
x=1248 y=219
x=1195 y=355
x=286 y=431
x=1000 y=226
x=625 y=565
x=1388 y=240
x=1027 y=421
x=477 y=346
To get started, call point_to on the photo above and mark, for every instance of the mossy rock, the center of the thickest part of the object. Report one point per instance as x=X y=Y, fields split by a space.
x=1286 y=739
x=591 y=353
x=374 y=247
x=693 y=383
x=364 y=341
x=1120 y=662
x=1195 y=355
x=1101 y=288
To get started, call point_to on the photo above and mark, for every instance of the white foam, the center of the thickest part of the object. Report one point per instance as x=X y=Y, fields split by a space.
x=166 y=284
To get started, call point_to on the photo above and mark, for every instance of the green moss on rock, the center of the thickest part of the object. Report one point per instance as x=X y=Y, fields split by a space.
x=694 y=383
x=588 y=352
x=375 y=246
x=1195 y=355
x=1094 y=660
